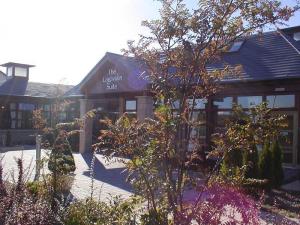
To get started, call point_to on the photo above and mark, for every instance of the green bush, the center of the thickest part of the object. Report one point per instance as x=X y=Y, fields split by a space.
x=152 y=218
x=277 y=171
x=250 y=159
x=232 y=162
x=270 y=164
x=74 y=141
x=265 y=162
x=61 y=159
x=89 y=211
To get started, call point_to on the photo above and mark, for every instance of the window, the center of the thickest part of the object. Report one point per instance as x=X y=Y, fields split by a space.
x=281 y=101
x=9 y=71
x=4 y=116
x=131 y=108
x=236 y=46
x=21 y=115
x=223 y=103
x=20 y=72
x=198 y=132
x=249 y=101
x=130 y=105
x=26 y=106
x=175 y=104
x=62 y=116
x=222 y=118
x=13 y=115
x=199 y=103
x=297 y=36
x=24 y=119
x=46 y=110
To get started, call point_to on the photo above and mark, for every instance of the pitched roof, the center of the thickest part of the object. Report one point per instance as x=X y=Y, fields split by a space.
x=272 y=55
x=2 y=77
x=264 y=57
x=16 y=64
x=18 y=86
x=130 y=64
x=74 y=92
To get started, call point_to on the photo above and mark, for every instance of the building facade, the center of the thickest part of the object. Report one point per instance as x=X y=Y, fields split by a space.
x=19 y=98
x=270 y=72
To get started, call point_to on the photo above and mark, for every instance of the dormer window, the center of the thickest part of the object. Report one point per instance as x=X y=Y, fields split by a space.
x=235 y=47
x=17 y=69
x=297 y=36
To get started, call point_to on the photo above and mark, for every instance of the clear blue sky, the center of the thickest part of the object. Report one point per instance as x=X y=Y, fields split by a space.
x=66 y=38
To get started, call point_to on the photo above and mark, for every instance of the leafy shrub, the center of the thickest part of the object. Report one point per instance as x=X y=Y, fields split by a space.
x=89 y=211
x=73 y=139
x=233 y=160
x=221 y=204
x=277 y=171
x=154 y=218
x=19 y=206
x=71 y=126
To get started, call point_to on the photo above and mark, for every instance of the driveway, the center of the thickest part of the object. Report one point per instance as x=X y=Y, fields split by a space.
x=109 y=176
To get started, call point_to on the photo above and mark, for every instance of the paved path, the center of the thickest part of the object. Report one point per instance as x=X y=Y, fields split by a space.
x=109 y=176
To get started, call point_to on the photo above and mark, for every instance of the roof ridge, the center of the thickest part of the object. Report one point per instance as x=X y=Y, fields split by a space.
x=34 y=82
x=117 y=54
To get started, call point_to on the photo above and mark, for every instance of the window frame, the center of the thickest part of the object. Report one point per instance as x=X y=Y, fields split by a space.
x=131 y=111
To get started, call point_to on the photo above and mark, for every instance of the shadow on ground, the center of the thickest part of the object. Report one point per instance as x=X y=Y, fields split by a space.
x=113 y=176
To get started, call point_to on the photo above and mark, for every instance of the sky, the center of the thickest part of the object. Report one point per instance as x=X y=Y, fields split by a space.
x=64 y=39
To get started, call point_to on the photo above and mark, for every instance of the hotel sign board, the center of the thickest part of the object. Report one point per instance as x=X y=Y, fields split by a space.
x=112 y=79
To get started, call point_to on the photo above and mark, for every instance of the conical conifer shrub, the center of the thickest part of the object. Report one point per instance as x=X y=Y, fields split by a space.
x=265 y=162
x=61 y=159
x=250 y=158
x=277 y=172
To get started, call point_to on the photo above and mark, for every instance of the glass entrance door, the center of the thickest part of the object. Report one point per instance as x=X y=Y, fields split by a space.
x=289 y=139
x=109 y=109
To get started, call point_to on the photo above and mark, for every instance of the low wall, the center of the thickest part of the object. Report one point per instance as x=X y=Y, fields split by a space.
x=17 y=137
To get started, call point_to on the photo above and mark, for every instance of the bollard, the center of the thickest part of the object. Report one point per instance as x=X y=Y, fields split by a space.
x=38 y=157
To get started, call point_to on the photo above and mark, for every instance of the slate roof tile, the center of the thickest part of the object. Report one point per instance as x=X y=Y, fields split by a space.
x=21 y=87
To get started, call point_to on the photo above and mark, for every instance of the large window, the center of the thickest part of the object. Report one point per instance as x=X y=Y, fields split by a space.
x=198 y=133
x=222 y=118
x=25 y=115
x=13 y=115
x=4 y=116
x=223 y=103
x=21 y=115
x=198 y=103
x=249 y=101
x=281 y=101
